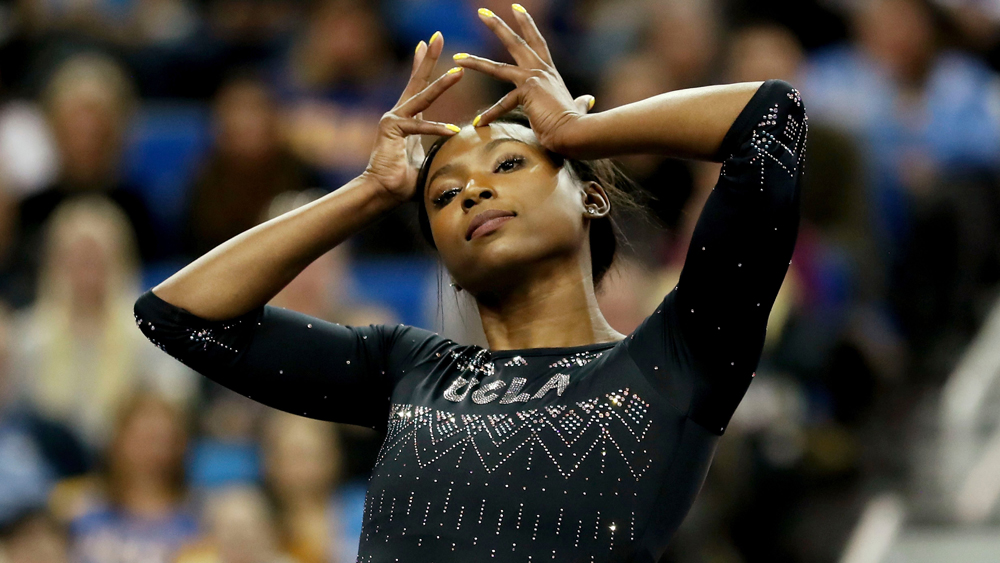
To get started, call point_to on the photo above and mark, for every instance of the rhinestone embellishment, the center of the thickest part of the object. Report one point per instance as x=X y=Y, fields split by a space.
x=566 y=435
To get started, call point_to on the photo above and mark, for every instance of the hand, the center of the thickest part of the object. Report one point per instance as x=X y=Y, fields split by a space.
x=397 y=153
x=539 y=88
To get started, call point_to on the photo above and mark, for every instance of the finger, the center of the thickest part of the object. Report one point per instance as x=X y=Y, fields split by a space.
x=585 y=103
x=421 y=127
x=421 y=76
x=423 y=99
x=531 y=34
x=418 y=55
x=518 y=47
x=504 y=105
x=502 y=71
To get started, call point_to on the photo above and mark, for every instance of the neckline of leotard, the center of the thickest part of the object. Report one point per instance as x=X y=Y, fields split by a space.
x=556 y=351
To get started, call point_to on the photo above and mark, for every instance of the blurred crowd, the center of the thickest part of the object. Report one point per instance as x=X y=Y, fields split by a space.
x=135 y=135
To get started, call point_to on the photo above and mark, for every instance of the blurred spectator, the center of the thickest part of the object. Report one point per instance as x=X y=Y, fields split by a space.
x=34 y=536
x=226 y=450
x=928 y=121
x=89 y=102
x=335 y=81
x=132 y=23
x=29 y=161
x=136 y=509
x=34 y=451
x=77 y=354
x=319 y=516
x=240 y=528
x=685 y=37
x=247 y=167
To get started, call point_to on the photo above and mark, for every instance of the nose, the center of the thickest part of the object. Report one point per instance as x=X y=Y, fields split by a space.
x=474 y=193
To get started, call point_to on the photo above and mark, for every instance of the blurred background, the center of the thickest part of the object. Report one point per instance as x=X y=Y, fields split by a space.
x=135 y=135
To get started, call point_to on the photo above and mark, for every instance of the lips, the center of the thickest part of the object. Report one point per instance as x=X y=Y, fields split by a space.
x=485 y=216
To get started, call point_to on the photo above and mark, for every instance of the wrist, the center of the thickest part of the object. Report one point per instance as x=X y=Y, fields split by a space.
x=576 y=140
x=380 y=195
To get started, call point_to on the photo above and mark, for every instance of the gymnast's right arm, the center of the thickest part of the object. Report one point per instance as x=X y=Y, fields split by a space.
x=212 y=314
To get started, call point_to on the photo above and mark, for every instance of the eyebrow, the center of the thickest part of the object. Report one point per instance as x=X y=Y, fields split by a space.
x=486 y=148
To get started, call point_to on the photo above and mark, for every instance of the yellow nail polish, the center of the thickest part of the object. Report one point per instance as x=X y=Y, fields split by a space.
x=519 y=8
x=454 y=128
x=435 y=37
x=417 y=50
x=460 y=56
x=485 y=12
x=453 y=70
x=475 y=122
x=590 y=104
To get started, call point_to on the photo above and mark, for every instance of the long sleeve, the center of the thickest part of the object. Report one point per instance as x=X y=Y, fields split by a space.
x=701 y=346
x=288 y=360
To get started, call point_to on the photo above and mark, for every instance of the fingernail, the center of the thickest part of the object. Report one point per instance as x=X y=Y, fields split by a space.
x=485 y=12
x=519 y=8
x=475 y=122
x=454 y=128
x=590 y=104
x=453 y=70
x=460 y=56
x=435 y=37
x=417 y=50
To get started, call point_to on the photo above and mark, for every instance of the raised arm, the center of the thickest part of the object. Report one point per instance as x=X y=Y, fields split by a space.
x=212 y=315
x=248 y=270
x=701 y=346
x=703 y=343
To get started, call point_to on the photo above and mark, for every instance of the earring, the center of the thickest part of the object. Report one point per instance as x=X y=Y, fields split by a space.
x=591 y=210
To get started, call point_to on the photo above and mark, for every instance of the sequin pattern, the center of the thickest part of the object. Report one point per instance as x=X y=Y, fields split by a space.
x=201 y=335
x=568 y=476
x=516 y=361
x=611 y=420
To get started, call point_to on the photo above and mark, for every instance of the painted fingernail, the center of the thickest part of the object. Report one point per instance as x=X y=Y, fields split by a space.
x=460 y=56
x=435 y=37
x=519 y=8
x=417 y=50
x=590 y=104
x=486 y=12
x=475 y=122
x=454 y=128
x=453 y=70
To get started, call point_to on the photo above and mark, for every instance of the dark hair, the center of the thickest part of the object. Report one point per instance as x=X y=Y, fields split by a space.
x=605 y=235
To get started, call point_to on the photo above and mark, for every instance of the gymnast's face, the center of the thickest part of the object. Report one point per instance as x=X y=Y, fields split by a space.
x=503 y=167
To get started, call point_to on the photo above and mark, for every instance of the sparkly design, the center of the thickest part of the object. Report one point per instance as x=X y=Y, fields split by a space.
x=487 y=392
x=512 y=392
x=451 y=393
x=204 y=336
x=566 y=435
x=479 y=364
x=516 y=361
x=794 y=134
x=559 y=382
x=578 y=359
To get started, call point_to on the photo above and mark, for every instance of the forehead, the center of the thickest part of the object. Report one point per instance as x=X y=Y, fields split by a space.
x=472 y=141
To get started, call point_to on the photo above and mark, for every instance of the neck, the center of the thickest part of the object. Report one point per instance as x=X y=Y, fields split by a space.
x=555 y=309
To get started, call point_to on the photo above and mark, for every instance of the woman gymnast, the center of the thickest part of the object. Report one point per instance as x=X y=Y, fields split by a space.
x=564 y=440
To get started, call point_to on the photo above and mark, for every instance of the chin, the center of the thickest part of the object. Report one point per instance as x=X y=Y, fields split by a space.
x=491 y=267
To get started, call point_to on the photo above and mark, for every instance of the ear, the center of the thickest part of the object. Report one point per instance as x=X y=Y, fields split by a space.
x=596 y=203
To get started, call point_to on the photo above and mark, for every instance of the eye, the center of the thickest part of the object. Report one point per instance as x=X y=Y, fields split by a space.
x=508 y=163
x=445 y=197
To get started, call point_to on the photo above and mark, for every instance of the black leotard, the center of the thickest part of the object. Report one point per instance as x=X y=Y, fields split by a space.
x=583 y=453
